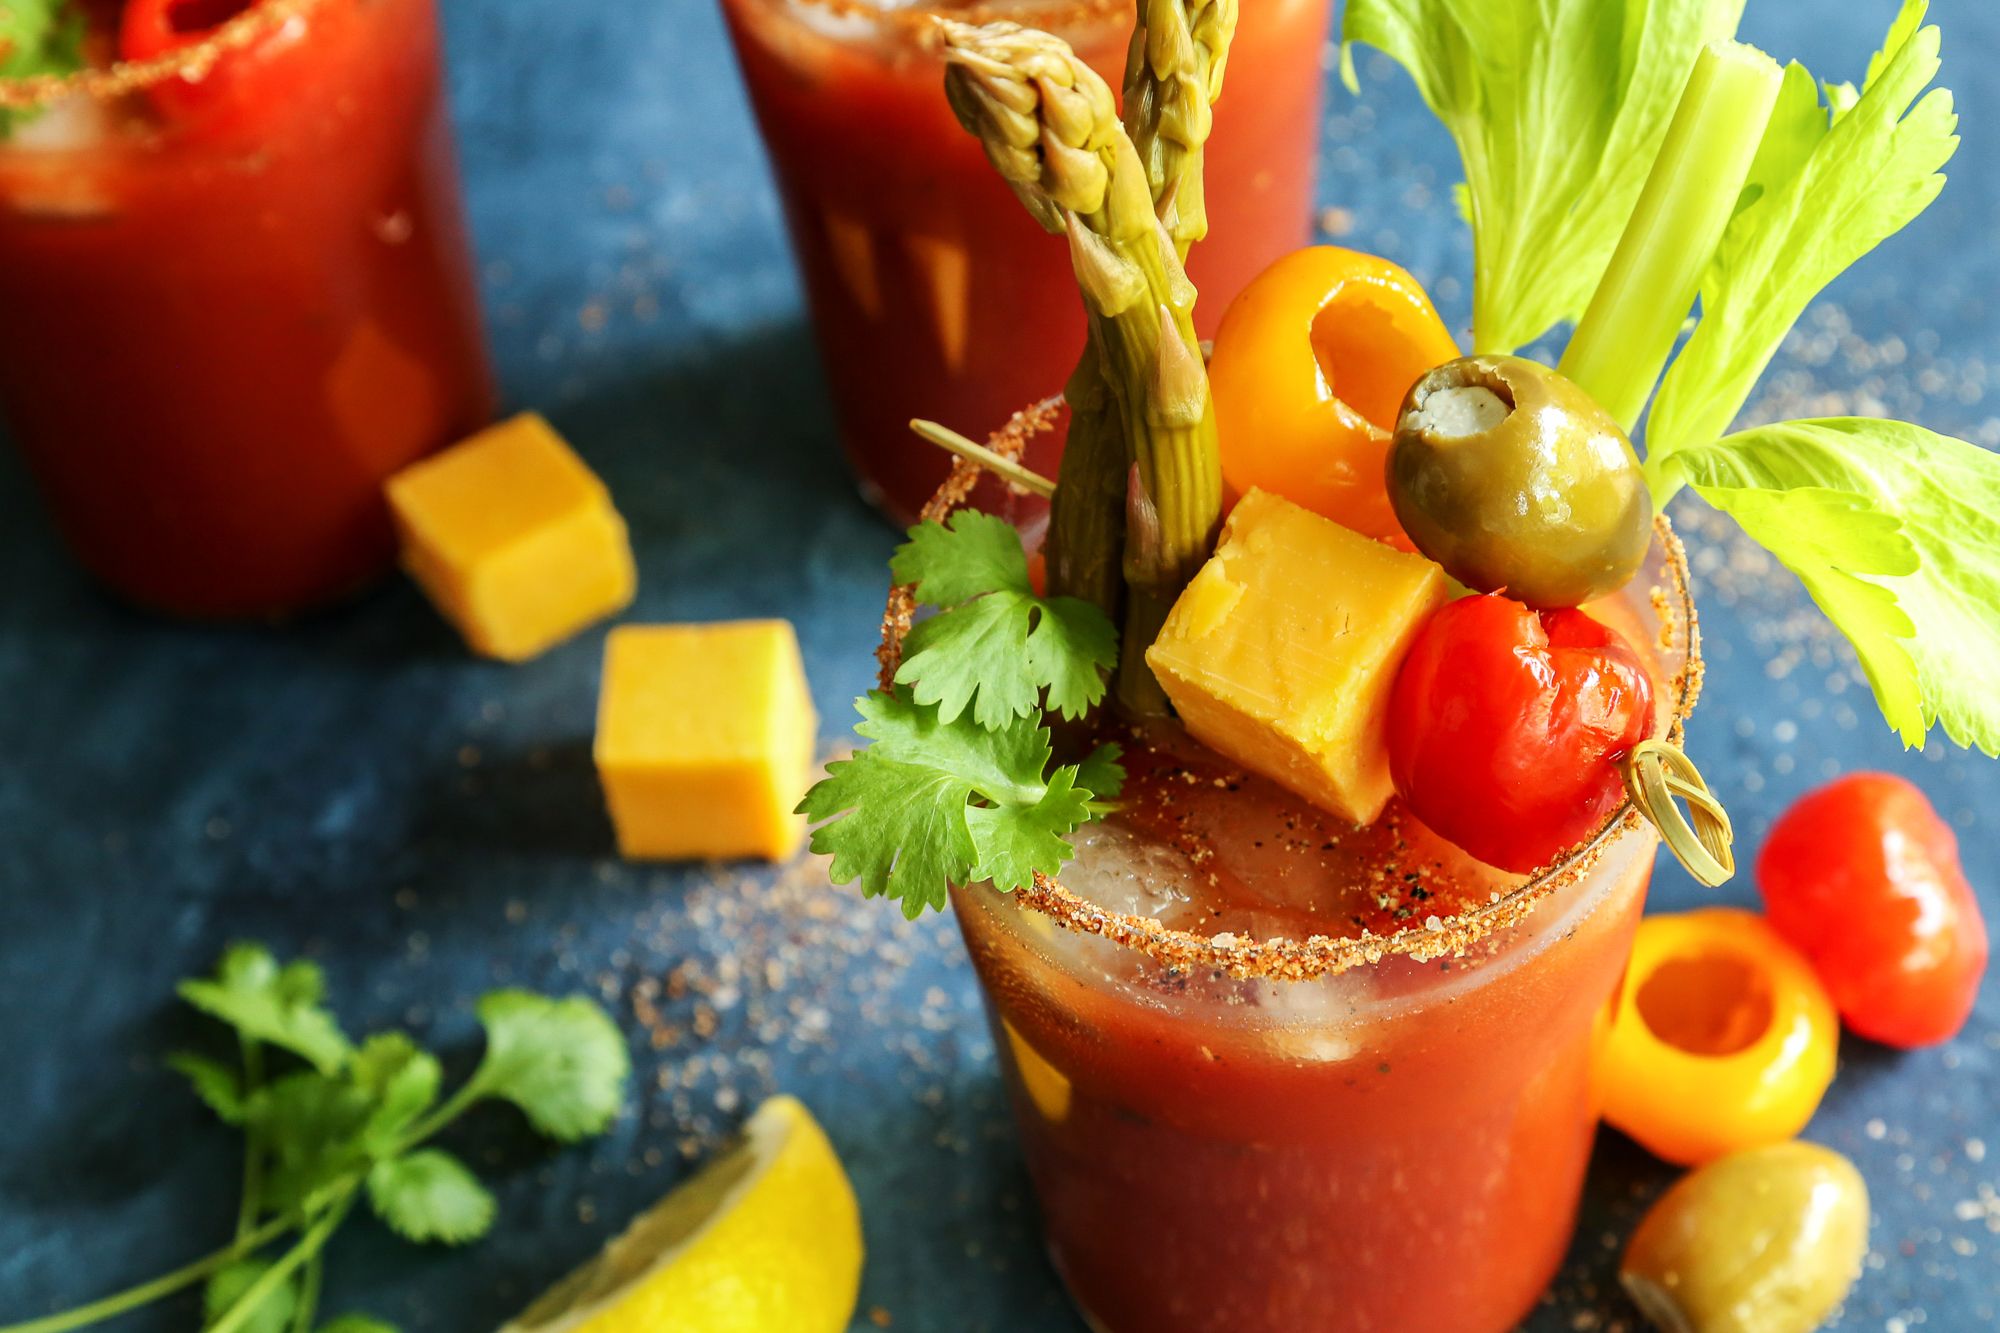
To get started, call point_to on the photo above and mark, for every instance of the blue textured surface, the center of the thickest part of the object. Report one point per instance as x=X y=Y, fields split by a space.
x=428 y=826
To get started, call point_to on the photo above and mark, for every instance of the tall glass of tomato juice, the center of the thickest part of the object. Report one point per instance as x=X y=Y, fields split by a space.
x=933 y=294
x=238 y=294
x=1232 y=1125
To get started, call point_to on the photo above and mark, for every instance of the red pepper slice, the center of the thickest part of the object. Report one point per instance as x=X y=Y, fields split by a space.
x=1506 y=726
x=150 y=29
x=1863 y=878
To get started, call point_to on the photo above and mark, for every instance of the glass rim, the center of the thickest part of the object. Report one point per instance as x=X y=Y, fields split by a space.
x=125 y=77
x=1057 y=14
x=1284 y=959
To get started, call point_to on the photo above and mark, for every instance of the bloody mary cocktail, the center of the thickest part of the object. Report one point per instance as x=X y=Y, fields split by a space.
x=932 y=294
x=1325 y=1142
x=238 y=295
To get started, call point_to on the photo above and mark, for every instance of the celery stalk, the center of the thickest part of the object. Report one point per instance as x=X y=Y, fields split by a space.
x=1621 y=344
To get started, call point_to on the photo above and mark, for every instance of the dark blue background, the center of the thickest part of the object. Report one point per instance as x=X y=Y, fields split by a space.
x=428 y=826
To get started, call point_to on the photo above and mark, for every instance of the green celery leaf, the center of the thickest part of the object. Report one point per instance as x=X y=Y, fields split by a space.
x=563 y=1062
x=994 y=646
x=315 y=1128
x=1917 y=517
x=1558 y=108
x=273 y=1314
x=402 y=1078
x=1824 y=192
x=357 y=1323
x=429 y=1195
x=264 y=1002
x=38 y=37
x=1102 y=775
x=218 y=1085
x=932 y=803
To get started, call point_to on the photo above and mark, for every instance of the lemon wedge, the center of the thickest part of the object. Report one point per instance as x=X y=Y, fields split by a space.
x=766 y=1237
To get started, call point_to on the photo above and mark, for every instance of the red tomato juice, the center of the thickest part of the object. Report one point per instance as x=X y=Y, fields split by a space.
x=234 y=307
x=1395 y=1148
x=933 y=293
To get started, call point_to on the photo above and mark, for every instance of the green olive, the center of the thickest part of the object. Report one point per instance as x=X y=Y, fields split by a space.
x=1763 y=1241
x=1516 y=481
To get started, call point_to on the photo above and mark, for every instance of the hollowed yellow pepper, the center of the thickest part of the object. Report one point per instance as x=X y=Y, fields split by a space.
x=1311 y=364
x=1723 y=1039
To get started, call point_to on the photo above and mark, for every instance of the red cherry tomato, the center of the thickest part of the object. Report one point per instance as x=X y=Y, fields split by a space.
x=1506 y=726
x=1863 y=878
x=237 y=80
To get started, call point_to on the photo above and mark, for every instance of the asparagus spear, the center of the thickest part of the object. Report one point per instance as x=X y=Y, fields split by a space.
x=1050 y=127
x=1172 y=77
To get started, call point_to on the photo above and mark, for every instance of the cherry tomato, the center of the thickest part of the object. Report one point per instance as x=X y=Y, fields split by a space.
x=1863 y=877
x=1506 y=726
x=227 y=87
x=1310 y=368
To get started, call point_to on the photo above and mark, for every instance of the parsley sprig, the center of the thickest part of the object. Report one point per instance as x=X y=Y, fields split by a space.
x=956 y=784
x=328 y=1123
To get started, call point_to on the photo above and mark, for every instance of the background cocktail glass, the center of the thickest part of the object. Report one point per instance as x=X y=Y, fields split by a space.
x=231 y=312
x=933 y=293
x=1227 y=1133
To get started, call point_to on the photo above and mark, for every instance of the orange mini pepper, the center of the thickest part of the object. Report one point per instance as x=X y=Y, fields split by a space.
x=1310 y=368
x=1724 y=1039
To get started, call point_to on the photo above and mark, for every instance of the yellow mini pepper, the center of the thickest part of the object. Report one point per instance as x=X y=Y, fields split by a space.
x=1724 y=1039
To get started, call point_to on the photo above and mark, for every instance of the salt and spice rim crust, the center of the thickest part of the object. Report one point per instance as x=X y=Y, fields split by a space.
x=1318 y=955
x=923 y=18
x=130 y=76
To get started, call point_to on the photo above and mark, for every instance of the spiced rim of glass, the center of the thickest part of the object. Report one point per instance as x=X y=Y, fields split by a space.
x=125 y=77
x=1285 y=959
x=922 y=18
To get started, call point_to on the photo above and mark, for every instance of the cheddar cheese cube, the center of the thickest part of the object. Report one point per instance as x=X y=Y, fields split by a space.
x=705 y=739
x=513 y=539
x=1281 y=652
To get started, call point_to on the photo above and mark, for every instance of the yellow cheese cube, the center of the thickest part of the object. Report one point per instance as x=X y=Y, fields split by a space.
x=1282 y=651
x=705 y=739
x=513 y=539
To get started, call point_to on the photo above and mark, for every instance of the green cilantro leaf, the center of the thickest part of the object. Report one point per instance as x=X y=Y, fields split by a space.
x=1558 y=108
x=273 y=1314
x=1827 y=187
x=1896 y=532
x=1102 y=776
x=37 y=37
x=357 y=1323
x=563 y=1062
x=933 y=803
x=1013 y=842
x=219 y=1087
x=994 y=646
x=429 y=1195
x=401 y=1079
x=975 y=554
x=314 y=1127
x=264 y=1002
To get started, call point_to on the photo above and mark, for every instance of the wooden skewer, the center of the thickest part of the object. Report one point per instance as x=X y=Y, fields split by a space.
x=1006 y=469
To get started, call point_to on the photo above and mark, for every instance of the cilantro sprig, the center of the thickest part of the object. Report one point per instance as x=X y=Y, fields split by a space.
x=994 y=646
x=958 y=783
x=1889 y=526
x=329 y=1124
x=37 y=37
